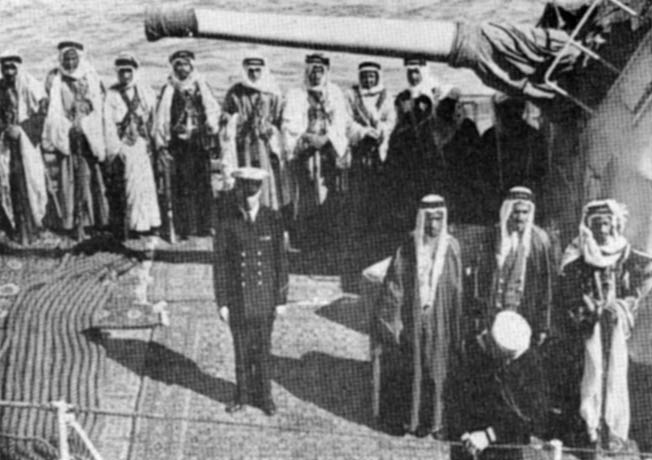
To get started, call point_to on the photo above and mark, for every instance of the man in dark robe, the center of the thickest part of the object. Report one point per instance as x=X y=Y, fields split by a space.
x=502 y=391
x=23 y=195
x=373 y=118
x=409 y=169
x=515 y=268
x=252 y=119
x=419 y=326
x=455 y=163
x=604 y=282
x=185 y=134
x=74 y=129
x=513 y=153
x=250 y=274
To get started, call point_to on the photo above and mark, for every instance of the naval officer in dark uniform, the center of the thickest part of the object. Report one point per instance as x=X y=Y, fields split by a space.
x=250 y=273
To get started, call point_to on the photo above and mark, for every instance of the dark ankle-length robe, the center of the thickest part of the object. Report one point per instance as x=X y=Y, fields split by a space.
x=410 y=170
x=502 y=288
x=419 y=347
x=366 y=190
x=186 y=124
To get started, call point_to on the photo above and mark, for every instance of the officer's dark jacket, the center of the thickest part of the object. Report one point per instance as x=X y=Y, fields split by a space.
x=250 y=269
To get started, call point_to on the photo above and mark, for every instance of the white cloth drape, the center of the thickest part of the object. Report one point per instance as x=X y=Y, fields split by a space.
x=617 y=409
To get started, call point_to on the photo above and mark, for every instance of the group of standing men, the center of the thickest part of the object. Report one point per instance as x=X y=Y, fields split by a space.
x=320 y=144
x=473 y=332
x=463 y=345
x=124 y=153
x=103 y=142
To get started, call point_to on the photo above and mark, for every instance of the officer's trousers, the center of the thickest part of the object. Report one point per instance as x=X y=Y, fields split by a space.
x=253 y=367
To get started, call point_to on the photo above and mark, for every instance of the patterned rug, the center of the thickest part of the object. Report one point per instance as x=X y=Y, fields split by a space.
x=321 y=380
x=54 y=303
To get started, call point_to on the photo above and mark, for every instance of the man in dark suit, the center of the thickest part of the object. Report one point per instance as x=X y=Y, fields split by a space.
x=250 y=276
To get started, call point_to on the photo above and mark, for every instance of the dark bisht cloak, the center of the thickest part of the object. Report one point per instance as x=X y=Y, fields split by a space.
x=417 y=345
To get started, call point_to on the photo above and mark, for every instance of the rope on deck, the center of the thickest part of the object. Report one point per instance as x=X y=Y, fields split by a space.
x=46 y=352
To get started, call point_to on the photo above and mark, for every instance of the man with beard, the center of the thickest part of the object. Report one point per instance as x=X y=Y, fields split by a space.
x=185 y=134
x=502 y=391
x=371 y=126
x=419 y=322
x=516 y=270
x=250 y=275
x=411 y=147
x=604 y=281
x=74 y=130
x=128 y=115
x=23 y=193
x=252 y=117
x=315 y=121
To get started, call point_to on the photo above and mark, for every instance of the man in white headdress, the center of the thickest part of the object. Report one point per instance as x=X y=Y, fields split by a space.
x=419 y=324
x=516 y=272
x=251 y=129
x=74 y=130
x=604 y=281
x=185 y=136
x=420 y=80
x=23 y=195
x=128 y=116
x=502 y=391
x=314 y=127
x=373 y=117
x=412 y=148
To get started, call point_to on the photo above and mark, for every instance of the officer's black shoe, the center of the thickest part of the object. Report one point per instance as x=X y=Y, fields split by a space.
x=422 y=432
x=269 y=408
x=234 y=407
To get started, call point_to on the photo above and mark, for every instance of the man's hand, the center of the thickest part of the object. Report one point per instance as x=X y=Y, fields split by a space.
x=211 y=129
x=224 y=314
x=13 y=132
x=590 y=303
x=475 y=442
x=83 y=107
x=541 y=338
x=164 y=158
x=281 y=309
x=316 y=141
x=372 y=133
x=43 y=105
x=267 y=130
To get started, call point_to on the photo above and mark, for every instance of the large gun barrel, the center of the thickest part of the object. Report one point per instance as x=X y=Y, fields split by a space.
x=377 y=36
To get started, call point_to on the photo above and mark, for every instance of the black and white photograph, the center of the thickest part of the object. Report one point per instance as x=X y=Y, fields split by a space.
x=322 y=229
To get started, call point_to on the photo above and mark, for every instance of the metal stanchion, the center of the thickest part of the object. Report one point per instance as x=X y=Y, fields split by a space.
x=84 y=437
x=62 y=409
x=65 y=419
